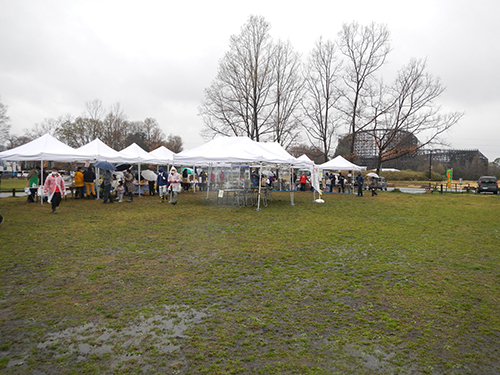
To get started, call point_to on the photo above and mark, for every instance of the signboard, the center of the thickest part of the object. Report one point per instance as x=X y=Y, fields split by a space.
x=449 y=177
x=315 y=180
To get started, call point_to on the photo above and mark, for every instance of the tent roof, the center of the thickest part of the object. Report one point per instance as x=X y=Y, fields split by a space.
x=234 y=150
x=163 y=154
x=135 y=154
x=44 y=148
x=340 y=164
x=98 y=150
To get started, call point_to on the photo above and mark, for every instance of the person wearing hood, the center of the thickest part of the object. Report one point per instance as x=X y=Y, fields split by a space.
x=54 y=187
x=174 y=180
x=162 y=183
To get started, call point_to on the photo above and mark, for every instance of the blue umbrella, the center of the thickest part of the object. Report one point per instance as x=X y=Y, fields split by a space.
x=107 y=166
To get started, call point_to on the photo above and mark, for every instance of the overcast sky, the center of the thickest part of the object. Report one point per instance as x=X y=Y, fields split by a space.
x=156 y=57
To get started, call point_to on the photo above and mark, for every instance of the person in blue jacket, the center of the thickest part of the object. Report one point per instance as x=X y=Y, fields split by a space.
x=162 y=184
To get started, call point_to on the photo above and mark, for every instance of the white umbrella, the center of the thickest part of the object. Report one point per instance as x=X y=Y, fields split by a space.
x=149 y=175
x=372 y=174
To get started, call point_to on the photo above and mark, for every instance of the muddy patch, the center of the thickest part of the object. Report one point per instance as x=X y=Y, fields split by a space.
x=152 y=342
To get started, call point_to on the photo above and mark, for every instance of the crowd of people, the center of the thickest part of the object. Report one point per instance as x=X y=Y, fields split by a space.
x=115 y=186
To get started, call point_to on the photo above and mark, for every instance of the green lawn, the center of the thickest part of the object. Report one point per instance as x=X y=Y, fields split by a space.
x=395 y=284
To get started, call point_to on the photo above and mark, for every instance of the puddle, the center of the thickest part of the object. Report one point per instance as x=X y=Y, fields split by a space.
x=125 y=343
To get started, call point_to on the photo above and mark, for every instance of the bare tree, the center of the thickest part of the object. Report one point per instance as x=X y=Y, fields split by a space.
x=238 y=101
x=146 y=134
x=286 y=93
x=322 y=95
x=14 y=141
x=75 y=133
x=174 y=143
x=4 y=124
x=413 y=112
x=47 y=126
x=115 y=128
x=94 y=115
x=366 y=49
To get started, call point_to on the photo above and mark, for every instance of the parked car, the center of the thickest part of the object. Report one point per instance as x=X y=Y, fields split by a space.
x=382 y=183
x=487 y=184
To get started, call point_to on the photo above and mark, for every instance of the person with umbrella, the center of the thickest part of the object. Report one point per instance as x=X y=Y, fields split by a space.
x=106 y=181
x=373 y=185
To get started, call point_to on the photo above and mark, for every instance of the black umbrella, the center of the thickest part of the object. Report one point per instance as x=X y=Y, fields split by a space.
x=106 y=165
x=123 y=166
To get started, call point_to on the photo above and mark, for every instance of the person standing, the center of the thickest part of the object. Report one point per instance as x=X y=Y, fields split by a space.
x=162 y=183
x=360 y=180
x=341 y=183
x=106 y=181
x=33 y=183
x=373 y=186
x=129 y=185
x=54 y=187
x=174 y=179
x=88 y=179
x=185 y=181
x=333 y=181
x=303 y=181
x=120 y=191
x=79 y=184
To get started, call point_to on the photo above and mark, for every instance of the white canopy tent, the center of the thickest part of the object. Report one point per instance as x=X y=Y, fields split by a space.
x=340 y=164
x=97 y=150
x=163 y=155
x=43 y=148
x=135 y=154
x=236 y=150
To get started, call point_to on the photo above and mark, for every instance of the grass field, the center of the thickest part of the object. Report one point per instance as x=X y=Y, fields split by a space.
x=394 y=284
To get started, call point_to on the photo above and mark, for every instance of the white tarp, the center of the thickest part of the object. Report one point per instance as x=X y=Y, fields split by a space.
x=98 y=150
x=340 y=164
x=163 y=155
x=44 y=148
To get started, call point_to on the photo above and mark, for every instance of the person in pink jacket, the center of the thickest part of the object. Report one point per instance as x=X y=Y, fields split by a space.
x=174 y=179
x=54 y=187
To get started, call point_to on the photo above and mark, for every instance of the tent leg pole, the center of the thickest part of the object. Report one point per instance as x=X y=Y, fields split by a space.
x=41 y=183
x=260 y=188
x=139 y=190
x=208 y=181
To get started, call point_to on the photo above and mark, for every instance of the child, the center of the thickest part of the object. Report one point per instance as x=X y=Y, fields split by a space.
x=120 y=190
